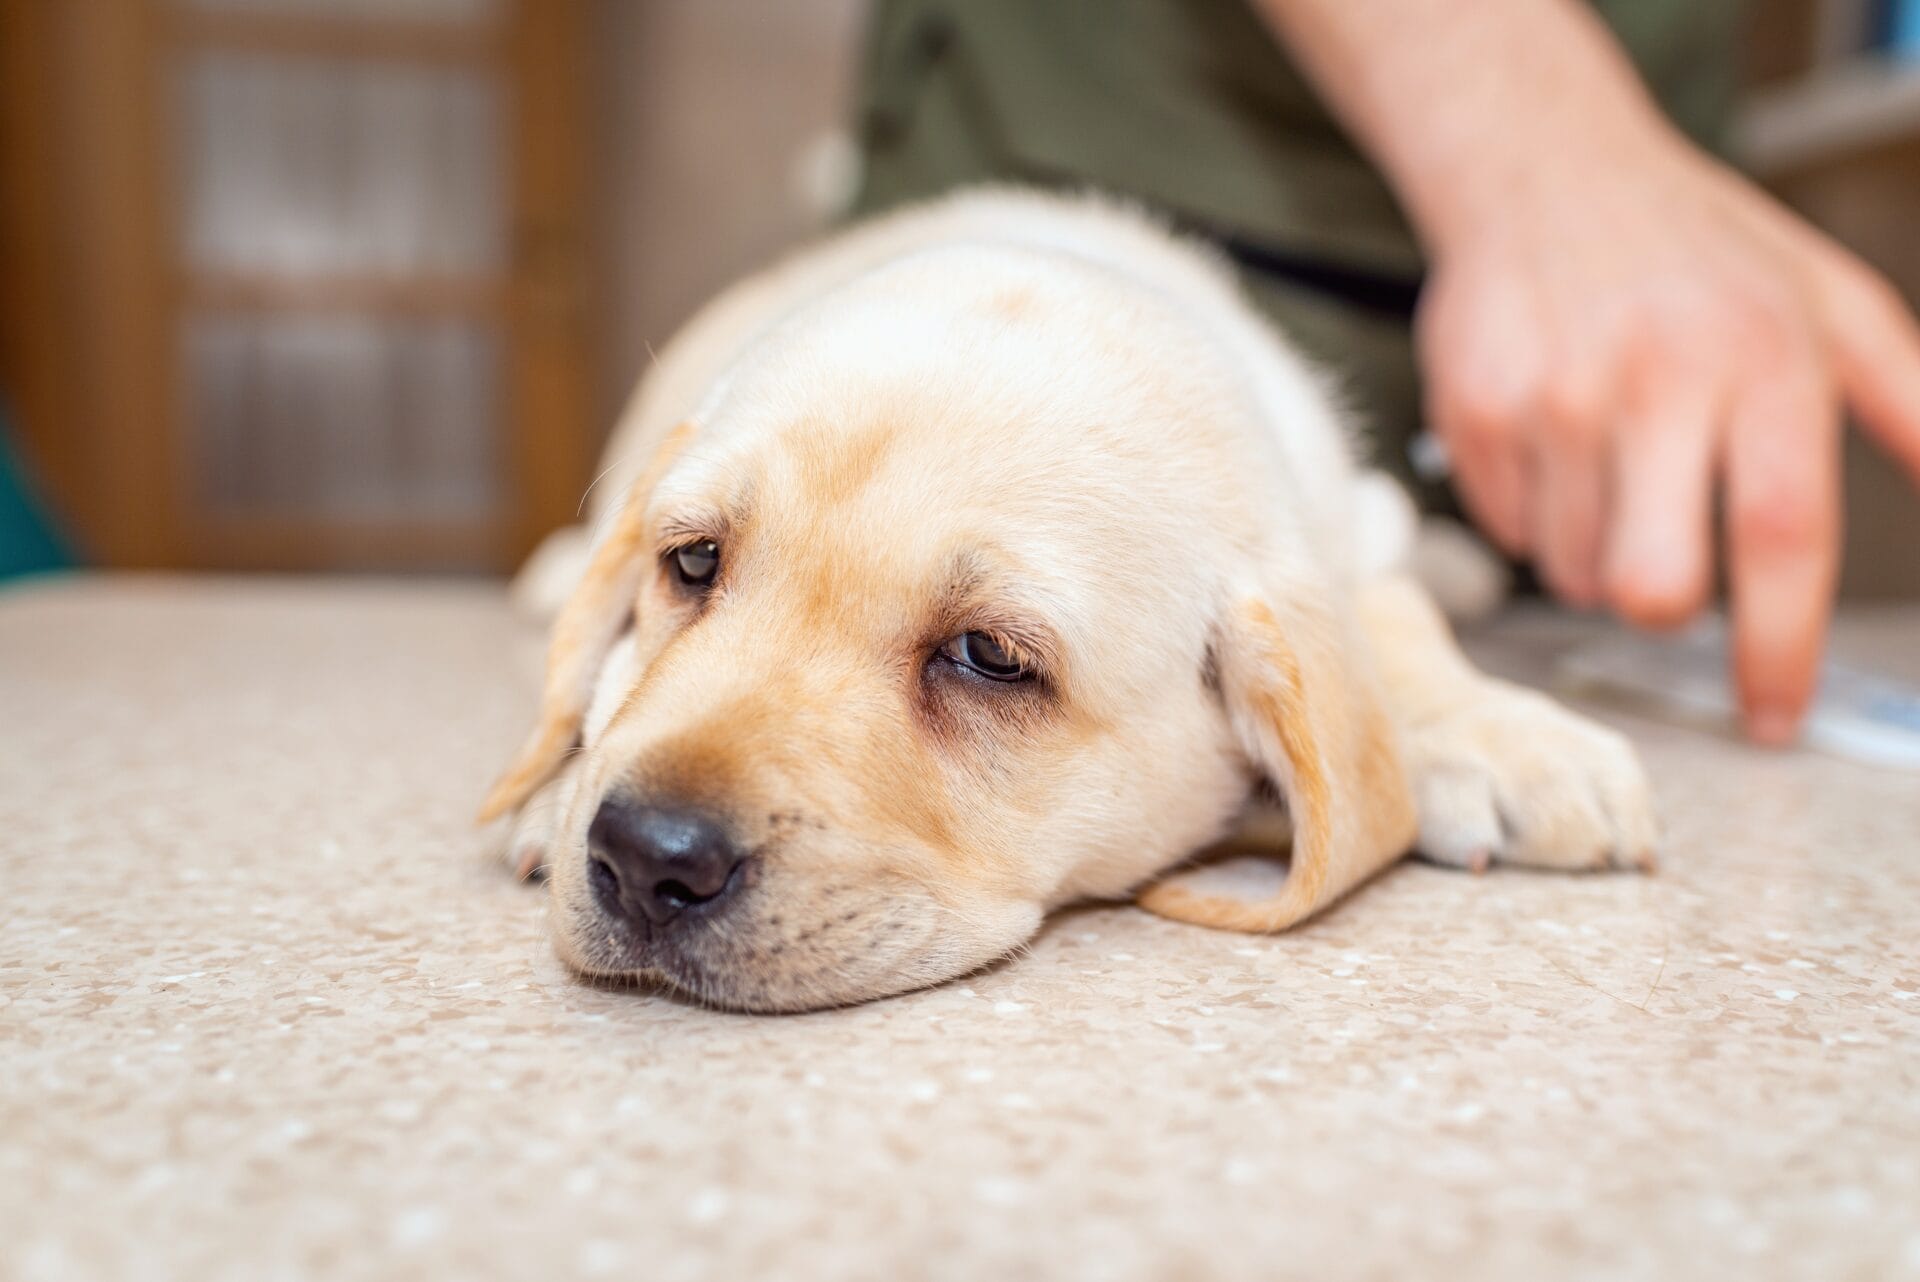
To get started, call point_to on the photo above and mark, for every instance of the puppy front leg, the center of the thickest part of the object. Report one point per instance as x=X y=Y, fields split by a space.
x=1500 y=772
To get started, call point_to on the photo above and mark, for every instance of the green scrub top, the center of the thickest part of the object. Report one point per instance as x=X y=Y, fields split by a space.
x=1193 y=108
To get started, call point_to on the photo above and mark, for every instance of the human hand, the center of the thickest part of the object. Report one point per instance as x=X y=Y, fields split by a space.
x=1615 y=334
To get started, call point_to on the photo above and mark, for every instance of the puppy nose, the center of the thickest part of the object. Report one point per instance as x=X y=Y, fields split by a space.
x=657 y=861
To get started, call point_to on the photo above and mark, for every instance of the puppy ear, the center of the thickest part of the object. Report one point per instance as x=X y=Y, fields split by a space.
x=583 y=634
x=1306 y=705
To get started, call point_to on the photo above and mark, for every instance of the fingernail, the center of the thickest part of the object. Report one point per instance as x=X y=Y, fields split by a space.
x=1772 y=727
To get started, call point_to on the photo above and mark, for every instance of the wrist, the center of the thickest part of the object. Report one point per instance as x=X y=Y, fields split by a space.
x=1463 y=174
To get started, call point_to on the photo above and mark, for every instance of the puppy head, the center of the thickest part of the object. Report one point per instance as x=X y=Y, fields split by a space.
x=937 y=618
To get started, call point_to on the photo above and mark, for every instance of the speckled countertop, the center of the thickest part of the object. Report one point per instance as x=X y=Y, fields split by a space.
x=264 y=1013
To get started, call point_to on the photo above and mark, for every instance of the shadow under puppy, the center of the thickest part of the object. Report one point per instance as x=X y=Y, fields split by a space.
x=984 y=558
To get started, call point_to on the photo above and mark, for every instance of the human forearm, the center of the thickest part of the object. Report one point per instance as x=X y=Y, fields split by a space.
x=1457 y=101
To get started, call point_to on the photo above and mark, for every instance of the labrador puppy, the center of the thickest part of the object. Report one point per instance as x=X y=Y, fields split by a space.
x=990 y=556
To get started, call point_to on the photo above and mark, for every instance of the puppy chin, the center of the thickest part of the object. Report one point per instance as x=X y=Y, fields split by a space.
x=780 y=961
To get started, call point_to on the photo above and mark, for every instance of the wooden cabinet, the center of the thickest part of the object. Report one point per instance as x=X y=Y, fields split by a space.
x=299 y=283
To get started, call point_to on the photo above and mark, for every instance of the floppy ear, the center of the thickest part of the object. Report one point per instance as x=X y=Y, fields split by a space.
x=585 y=631
x=1306 y=705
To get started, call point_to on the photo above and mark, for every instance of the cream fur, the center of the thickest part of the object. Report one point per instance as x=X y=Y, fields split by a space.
x=1079 y=415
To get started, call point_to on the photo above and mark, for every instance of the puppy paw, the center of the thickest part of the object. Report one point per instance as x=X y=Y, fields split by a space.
x=533 y=832
x=1510 y=776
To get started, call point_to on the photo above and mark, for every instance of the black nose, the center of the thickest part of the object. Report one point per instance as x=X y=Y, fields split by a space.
x=656 y=861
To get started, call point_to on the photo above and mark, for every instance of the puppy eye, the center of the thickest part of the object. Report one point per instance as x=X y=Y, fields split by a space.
x=696 y=563
x=984 y=655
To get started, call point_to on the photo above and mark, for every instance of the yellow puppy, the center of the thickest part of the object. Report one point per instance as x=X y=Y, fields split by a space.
x=987 y=557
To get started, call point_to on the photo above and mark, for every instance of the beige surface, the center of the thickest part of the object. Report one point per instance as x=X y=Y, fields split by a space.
x=263 y=1014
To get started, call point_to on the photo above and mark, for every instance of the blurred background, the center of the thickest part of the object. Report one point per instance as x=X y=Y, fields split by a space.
x=360 y=285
